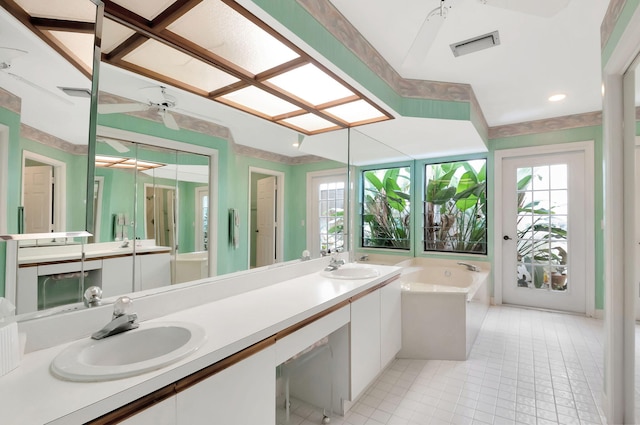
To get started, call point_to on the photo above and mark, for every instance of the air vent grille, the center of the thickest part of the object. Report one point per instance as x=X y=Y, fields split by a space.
x=476 y=43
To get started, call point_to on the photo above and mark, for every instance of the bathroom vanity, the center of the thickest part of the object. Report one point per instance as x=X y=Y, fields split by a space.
x=45 y=275
x=253 y=322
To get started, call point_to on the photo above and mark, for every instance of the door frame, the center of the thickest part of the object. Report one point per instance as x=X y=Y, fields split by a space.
x=587 y=147
x=199 y=236
x=59 y=189
x=279 y=217
x=4 y=177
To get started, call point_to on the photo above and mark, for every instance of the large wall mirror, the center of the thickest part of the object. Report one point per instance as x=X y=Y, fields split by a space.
x=177 y=186
x=46 y=61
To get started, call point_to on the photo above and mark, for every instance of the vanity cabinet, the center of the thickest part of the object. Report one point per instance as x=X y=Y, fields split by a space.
x=117 y=273
x=241 y=394
x=376 y=334
x=365 y=342
x=153 y=270
x=390 y=322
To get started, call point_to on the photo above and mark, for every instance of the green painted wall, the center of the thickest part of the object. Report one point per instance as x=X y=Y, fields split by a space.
x=628 y=10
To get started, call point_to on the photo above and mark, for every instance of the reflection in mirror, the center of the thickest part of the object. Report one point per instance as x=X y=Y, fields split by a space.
x=45 y=86
x=234 y=143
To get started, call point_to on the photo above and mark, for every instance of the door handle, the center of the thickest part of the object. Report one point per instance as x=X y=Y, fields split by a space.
x=506 y=238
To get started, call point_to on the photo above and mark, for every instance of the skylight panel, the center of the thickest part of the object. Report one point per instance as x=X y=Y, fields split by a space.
x=68 y=10
x=309 y=123
x=147 y=9
x=354 y=112
x=172 y=63
x=77 y=44
x=114 y=34
x=258 y=100
x=221 y=30
x=311 y=84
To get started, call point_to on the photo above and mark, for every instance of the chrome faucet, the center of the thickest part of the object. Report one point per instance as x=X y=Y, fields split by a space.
x=334 y=264
x=93 y=296
x=469 y=267
x=121 y=321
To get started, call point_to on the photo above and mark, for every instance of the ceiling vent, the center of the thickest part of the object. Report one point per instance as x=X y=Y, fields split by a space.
x=476 y=43
x=76 y=92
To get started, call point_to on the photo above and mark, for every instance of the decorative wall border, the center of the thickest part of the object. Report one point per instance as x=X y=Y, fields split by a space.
x=208 y=128
x=10 y=101
x=609 y=22
x=566 y=122
x=331 y=18
x=47 y=139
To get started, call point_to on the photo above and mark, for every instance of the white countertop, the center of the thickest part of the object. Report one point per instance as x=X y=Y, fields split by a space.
x=31 y=395
x=50 y=254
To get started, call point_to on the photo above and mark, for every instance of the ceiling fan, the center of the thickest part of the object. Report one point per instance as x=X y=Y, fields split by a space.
x=435 y=18
x=161 y=102
x=7 y=55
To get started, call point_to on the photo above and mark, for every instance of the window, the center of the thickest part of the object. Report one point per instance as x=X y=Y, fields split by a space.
x=386 y=208
x=455 y=207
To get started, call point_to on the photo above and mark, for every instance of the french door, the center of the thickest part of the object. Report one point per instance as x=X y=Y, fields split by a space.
x=546 y=231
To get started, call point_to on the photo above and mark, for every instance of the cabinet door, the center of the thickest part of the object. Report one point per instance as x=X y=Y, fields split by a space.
x=117 y=276
x=365 y=342
x=163 y=413
x=390 y=321
x=27 y=290
x=155 y=270
x=243 y=394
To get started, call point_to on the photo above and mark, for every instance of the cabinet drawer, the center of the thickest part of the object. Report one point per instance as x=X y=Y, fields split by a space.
x=311 y=333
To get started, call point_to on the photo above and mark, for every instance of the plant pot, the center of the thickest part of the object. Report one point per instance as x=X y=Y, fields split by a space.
x=558 y=281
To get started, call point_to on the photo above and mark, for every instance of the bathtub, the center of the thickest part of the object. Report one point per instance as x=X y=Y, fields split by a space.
x=443 y=307
x=190 y=266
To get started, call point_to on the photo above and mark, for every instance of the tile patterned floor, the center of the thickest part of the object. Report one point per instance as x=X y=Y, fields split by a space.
x=526 y=367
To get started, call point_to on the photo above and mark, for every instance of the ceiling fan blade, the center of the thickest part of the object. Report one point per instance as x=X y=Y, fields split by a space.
x=169 y=120
x=422 y=43
x=542 y=8
x=39 y=88
x=120 y=108
x=115 y=144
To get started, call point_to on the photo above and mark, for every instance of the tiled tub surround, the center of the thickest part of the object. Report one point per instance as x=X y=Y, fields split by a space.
x=443 y=307
x=236 y=311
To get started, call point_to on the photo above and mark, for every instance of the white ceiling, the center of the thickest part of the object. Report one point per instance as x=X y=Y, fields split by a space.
x=537 y=57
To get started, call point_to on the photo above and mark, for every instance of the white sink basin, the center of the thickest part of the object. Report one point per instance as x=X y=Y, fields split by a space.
x=150 y=347
x=352 y=272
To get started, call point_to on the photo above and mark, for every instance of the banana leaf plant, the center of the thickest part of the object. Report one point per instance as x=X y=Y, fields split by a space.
x=386 y=208
x=455 y=208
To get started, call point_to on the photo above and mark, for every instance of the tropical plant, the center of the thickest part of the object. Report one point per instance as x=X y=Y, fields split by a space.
x=386 y=208
x=455 y=207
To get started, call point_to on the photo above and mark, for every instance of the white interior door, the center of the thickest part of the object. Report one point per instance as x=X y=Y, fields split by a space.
x=545 y=231
x=37 y=199
x=266 y=218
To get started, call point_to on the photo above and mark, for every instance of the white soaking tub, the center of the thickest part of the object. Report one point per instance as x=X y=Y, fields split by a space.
x=443 y=307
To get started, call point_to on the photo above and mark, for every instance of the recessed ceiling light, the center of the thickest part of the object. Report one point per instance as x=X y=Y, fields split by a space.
x=296 y=144
x=557 y=97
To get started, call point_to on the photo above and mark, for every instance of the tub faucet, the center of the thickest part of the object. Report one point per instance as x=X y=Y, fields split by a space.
x=469 y=267
x=121 y=321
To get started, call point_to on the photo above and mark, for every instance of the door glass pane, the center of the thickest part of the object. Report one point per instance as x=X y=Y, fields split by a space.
x=331 y=215
x=542 y=228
